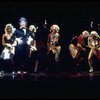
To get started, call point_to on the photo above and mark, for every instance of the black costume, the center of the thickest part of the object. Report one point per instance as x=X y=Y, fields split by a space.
x=7 y=63
x=22 y=50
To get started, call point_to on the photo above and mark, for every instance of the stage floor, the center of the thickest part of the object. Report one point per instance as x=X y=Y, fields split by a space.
x=51 y=85
x=47 y=76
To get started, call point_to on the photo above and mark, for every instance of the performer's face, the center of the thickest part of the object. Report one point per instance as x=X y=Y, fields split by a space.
x=23 y=24
x=9 y=29
x=86 y=35
x=53 y=30
x=31 y=28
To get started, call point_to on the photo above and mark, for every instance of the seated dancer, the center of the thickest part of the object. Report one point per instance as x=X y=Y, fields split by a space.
x=78 y=50
x=52 y=42
x=9 y=45
x=33 y=49
x=79 y=46
x=94 y=45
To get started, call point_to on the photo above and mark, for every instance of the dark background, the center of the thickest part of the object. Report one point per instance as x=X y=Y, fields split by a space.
x=73 y=17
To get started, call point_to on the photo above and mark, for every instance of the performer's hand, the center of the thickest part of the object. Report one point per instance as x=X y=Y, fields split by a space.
x=9 y=45
x=33 y=48
x=29 y=40
x=19 y=40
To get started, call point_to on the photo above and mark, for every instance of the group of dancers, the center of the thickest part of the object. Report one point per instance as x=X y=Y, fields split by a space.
x=20 y=47
x=86 y=47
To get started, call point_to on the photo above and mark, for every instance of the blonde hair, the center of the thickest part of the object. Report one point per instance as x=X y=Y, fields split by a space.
x=85 y=33
x=55 y=27
x=9 y=25
x=33 y=28
x=95 y=33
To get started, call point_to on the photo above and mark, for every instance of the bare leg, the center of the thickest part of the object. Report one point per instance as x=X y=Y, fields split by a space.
x=90 y=60
x=57 y=53
x=12 y=61
x=36 y=66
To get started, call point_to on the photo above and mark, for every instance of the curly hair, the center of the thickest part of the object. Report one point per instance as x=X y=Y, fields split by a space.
x=9 y=25
x=55 y=27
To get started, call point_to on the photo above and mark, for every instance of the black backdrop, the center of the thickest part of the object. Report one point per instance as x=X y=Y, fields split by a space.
x=72 y=16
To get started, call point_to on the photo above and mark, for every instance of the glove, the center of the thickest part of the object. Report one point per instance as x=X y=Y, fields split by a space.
x=9 y=45
x=29 y=40
x=19 y=41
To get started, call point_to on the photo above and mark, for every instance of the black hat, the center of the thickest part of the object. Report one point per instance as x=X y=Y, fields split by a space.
x=22 y=19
